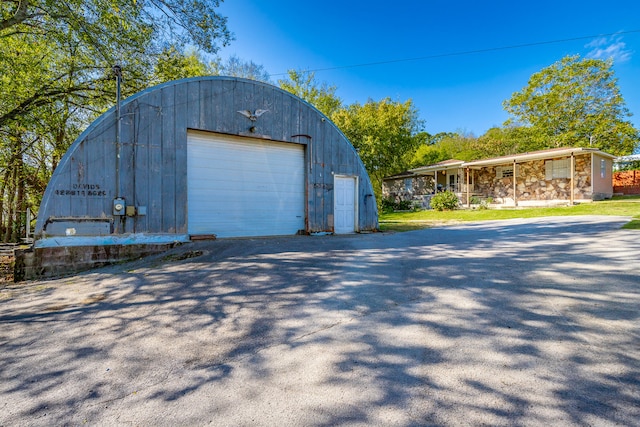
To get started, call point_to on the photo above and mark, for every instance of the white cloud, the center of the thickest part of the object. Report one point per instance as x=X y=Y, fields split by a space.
x=609 y=48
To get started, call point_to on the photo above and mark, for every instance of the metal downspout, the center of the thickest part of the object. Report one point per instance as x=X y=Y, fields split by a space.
x=118 y=72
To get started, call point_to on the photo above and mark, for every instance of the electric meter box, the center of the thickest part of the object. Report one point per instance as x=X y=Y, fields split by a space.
x=119 y=206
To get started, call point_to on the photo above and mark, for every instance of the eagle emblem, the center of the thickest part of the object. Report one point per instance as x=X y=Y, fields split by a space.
x=252 y=116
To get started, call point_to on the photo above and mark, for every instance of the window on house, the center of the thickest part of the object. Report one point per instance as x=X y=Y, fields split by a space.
x=504 y=172
x=471 y=178
x=408 y=184
x=557 y=169
x=603 y=168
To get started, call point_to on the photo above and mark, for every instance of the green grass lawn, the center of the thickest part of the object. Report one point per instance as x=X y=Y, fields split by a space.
x=405 y=221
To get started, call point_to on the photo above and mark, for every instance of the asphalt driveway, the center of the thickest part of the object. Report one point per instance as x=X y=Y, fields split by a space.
x=520 y=322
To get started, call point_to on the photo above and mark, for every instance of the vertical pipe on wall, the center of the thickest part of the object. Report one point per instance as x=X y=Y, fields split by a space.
x=118 y=73
x=307 y=185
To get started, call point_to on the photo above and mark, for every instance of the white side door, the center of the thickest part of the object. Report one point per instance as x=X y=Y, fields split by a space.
x=344 y=207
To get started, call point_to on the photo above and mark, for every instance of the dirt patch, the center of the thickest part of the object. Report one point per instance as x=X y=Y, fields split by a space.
x=57 y=307
x=92 y=299
x=182 y=256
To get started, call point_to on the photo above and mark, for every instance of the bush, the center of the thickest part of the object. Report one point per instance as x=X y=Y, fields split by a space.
x=390 y=205
x=404 y=205
x=446 y=201
x=481 y=204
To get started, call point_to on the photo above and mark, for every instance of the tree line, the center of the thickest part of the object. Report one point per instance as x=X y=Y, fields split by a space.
x=574 y=102
x=57 y=58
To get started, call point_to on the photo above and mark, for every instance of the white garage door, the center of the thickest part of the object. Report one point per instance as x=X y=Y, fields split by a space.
x=243 y=186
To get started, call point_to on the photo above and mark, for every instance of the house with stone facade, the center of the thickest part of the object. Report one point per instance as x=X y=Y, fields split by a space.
x=418 y=185
x=541 y=178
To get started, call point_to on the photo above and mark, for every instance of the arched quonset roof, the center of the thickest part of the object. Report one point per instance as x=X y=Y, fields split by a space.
x=153 y=158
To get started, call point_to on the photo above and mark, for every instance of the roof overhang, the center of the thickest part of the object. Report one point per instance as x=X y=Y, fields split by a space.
x=631 y=158
x=429 y=169
x=536 y=155
x=553 y=153
x=401 y=175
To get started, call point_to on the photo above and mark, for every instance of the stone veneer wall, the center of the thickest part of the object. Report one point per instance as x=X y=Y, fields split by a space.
x=42 y=263
x=394 y=189
x=6 y=268
x=532 y=185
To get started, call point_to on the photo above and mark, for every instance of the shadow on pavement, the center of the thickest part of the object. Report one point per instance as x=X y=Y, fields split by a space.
x=513 y=323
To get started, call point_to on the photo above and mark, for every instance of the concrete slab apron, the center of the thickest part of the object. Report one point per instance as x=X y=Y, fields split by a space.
x=523 y=322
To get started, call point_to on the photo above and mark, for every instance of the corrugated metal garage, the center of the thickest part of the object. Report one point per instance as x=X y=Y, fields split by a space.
x=206 y=156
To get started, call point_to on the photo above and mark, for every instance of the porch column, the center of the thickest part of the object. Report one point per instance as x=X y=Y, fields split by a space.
x=573 y=172
x=515 y=186
x=435 y=182
x=468 y=194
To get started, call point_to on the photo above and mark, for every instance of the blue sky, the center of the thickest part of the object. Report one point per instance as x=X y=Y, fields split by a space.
x=447 y=56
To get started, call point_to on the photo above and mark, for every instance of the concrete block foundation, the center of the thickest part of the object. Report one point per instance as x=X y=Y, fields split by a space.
x=50 y=262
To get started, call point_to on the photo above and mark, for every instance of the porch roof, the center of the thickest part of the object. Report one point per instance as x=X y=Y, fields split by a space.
x=536 y=155
x=446 y=164
x=503 y=160
x=401 y=175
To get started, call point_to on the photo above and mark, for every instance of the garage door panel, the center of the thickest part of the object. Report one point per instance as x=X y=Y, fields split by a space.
x=254 y=172
x=244 y=187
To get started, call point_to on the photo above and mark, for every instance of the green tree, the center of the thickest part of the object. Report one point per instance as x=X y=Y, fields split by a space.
x=428 y=155
x=173 y=64
x=447 y=146
x=237 y=67
x=304 y=85
x=102 y=33
x=428 y=139
x=461 y=146
x=574 y=102
x=503 y=141
x=56 y=60
x=182 y=21
x=384 y=133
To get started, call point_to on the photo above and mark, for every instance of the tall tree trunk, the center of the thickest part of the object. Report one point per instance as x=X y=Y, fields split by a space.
x=21 y=208
x=11 y=189
x=11 y=193
x=2 y=199
x=58 y=149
